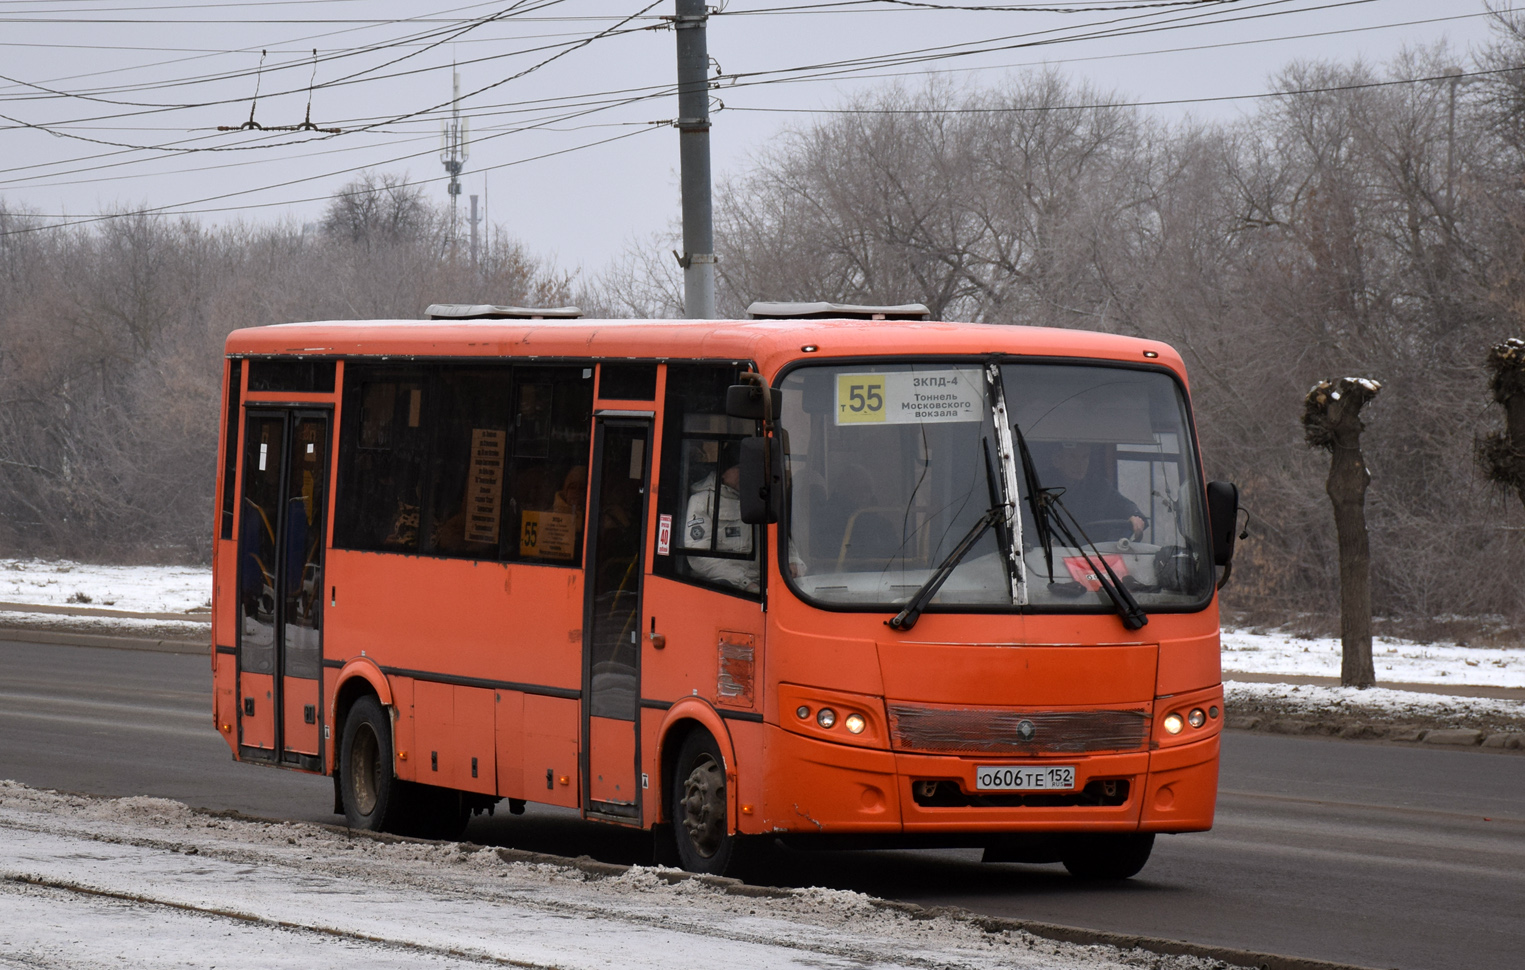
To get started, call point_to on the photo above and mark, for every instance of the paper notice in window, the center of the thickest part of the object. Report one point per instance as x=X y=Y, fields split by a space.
x=548 y=535
x=910 y=397
x=484 y=485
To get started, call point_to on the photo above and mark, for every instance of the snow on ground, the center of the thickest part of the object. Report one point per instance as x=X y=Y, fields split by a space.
x=1396 y=661
x=1374 y=704
x=160 y=885
x=141 y=589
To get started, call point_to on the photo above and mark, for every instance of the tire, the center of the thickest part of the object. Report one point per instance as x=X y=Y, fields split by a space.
x=1108 y=856
x=371 y=794
x=700 y=812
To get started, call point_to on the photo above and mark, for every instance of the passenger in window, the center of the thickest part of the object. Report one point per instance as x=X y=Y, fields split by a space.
x=404 y=534
x=573 y=494
x=715 y=507
x=1088 y=496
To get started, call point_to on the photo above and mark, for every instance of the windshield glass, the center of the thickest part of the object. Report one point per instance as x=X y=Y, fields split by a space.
x=888 y=474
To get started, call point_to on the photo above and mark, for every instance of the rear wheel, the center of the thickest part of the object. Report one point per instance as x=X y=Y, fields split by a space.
x=367 y=788
x=700 y=818
x=1108 y=855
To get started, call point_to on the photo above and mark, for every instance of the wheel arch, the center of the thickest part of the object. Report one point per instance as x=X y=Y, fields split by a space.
x=684 y=718
x=357 y=678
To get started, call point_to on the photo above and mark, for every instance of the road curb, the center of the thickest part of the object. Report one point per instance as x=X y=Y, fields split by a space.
x=1397 y=731
x=56 y=638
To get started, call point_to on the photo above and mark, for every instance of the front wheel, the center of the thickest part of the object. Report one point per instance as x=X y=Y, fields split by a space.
x=701 y=823
x=368 y=790
x=1108 y=855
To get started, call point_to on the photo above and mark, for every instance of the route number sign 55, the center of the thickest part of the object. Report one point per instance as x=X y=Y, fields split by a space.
x=860 y=397
x=910 y=397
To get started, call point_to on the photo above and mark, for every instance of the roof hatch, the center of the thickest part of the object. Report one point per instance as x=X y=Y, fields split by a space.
x=485 y=311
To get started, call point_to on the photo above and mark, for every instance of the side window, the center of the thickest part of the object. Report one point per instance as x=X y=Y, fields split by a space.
x=382 y=460
x=465 y=461
x=552 y=418
x=463 y=513
x=699 y=503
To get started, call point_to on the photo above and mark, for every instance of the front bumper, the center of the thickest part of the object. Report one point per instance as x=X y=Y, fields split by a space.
x=820 y=788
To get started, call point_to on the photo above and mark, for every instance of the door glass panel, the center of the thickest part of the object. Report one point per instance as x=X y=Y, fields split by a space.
x=261 y=518
x=306 y=506
x=614 y=636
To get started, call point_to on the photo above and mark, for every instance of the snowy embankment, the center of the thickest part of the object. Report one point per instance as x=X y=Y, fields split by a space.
x=1459 y=673
x=160 y=885
x=100 y=592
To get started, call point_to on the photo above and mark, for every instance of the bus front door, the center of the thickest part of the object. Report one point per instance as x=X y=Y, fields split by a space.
x=612 y=618
x=280 y=586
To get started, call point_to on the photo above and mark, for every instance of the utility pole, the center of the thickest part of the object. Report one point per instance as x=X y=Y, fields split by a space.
x=698 y=259
x=474 y=221
x=453 y=150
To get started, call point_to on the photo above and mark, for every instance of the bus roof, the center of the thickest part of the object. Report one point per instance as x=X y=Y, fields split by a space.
x=770 y=343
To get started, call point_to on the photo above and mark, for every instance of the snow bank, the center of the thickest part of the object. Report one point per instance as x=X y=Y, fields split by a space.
x=144 y=882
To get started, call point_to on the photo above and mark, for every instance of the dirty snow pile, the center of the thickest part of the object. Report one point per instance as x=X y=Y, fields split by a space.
x=161 y=885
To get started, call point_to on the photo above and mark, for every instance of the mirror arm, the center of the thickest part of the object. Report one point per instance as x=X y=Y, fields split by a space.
x=767 y=421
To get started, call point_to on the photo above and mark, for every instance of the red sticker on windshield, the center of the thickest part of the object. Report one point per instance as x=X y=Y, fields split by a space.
x=1082 y=574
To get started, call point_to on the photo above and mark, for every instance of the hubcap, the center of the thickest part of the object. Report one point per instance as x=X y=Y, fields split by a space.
x=704 y=806
x=365 y=765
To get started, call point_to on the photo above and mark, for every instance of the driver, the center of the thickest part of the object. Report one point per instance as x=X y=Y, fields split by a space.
x=1087 y=493
x=731 y=534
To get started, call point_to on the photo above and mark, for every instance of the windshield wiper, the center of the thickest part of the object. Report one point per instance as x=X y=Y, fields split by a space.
x=907 y=617
x=1049 y=513
x=996 y=515
x=1128 y=610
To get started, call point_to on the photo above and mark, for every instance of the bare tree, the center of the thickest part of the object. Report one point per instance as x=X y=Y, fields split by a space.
x=1332 y=421
x=379 y=209
x=1501 y=454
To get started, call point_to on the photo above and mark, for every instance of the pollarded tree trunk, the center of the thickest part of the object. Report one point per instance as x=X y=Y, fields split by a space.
x=1332 y=421
x=1502 y=453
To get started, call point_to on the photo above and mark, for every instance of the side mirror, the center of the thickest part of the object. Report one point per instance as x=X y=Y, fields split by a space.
x=762 y=478
x=1222 y=519
x=746 y=401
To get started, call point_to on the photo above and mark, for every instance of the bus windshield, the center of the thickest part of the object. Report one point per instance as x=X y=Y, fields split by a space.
x=889 y=472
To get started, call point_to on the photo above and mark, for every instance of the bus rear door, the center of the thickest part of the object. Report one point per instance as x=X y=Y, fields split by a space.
x=283 y=509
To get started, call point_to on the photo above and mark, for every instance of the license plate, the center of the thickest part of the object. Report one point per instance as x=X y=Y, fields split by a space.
x=1024 y=778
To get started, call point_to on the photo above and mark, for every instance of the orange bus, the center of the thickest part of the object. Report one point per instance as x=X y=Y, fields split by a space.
x=878 y=582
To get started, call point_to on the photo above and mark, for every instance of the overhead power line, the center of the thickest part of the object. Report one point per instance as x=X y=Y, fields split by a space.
x=1089 y=106
x=183 y=207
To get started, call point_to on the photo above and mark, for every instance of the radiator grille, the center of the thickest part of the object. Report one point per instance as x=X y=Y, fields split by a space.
x=984 y=731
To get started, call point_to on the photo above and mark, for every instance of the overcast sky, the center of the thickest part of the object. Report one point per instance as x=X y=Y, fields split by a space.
x=114 y=104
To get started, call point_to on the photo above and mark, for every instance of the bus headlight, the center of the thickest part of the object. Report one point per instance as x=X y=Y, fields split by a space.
x=1196 y=718
x=802 y=712
x=1174 y=724
x=854 y=723
x=826 y=717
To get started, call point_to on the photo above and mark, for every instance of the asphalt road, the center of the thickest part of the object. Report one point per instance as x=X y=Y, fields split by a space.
x=1369 y=854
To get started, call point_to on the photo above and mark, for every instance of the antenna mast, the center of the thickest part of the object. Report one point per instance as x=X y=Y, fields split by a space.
x=454 y=150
